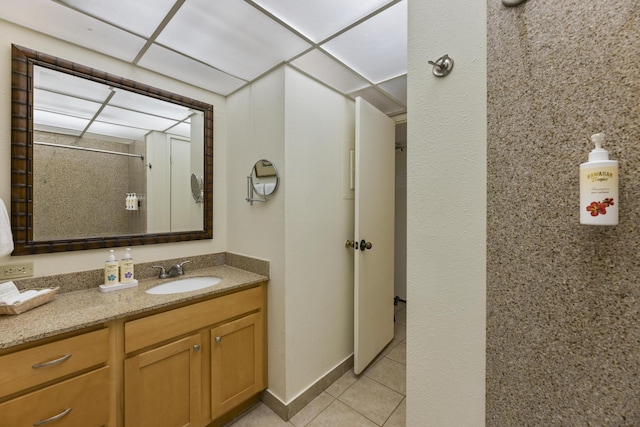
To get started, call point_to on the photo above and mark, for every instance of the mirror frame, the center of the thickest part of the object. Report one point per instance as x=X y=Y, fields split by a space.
x=22 y=62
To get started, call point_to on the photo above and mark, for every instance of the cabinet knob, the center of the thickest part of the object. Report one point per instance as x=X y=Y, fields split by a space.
x=196 y=347
x=218 y=339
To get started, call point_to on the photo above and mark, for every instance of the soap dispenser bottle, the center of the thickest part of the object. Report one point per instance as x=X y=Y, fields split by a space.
x=126 y=267
x=111 y=270
x=599 y=200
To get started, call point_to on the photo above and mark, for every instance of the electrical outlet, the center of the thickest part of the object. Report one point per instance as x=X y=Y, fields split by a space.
x=16 y=271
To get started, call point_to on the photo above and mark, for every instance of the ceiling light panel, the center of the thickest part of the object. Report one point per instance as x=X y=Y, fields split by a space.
x=324 y=68
x=64 y=124
x=63 y=104
x=124 y=117
x=317 y=20
x=57 y=82
x=179 y=67
x=377 y=48
x=232 y=36
x=397 y=88
x=145 y=104
x=59 y=21
x=116 y=131
x=141 y=17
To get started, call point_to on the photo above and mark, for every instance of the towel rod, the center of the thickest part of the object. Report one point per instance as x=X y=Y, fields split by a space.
x=95 y=150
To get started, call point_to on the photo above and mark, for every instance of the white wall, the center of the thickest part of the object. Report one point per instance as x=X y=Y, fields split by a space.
x=319 y=269
x=300 y=125
x=256 y=131
x=45 y=265
x=446 y=248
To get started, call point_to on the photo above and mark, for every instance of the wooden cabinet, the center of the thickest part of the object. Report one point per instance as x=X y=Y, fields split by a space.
x=65 y=383
x=190 y=365
x=163 y=385
x=194 y=365
x=237 y=368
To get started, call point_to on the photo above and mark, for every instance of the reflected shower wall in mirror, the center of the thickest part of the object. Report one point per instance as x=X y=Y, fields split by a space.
x=83 y=141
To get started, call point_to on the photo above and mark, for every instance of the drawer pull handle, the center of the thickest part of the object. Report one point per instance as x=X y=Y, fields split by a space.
x=51 y=362
x=196 y=347
x=54 y=418
x=218 y=339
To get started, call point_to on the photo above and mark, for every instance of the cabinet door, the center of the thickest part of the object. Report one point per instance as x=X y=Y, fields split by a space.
x=237 y=362
x=163 y=385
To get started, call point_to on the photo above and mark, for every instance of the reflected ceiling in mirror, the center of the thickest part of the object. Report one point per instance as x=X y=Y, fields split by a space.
x=86 y=144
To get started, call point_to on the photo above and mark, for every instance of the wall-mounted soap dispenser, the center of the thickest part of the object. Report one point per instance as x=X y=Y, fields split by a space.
x=599 y=202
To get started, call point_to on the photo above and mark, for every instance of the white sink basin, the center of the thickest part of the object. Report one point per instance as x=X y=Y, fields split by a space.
x=184 y=285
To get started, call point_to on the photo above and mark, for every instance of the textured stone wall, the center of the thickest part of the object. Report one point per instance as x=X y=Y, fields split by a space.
x=563 y=299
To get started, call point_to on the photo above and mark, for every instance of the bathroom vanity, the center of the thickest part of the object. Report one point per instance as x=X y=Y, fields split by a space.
x=195 y=358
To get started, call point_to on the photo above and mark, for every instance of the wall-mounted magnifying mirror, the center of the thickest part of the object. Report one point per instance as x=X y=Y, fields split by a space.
x=197 y=188
x=263 y=181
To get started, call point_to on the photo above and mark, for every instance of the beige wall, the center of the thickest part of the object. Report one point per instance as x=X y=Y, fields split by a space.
x=87 y=260
x=446 y=215
x=300 y=126
x=563 y=324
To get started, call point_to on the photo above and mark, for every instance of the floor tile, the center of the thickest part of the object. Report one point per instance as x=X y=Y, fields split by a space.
x=401 y=316
x=399 y=331
x=399 y=353
x=312 y=410
x=371 y=399
x=390 y=373
x=399 y=416
x=342 y=384
x=260 y=416
x=338 y=414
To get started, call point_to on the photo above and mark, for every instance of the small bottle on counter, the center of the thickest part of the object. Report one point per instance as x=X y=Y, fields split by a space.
x=126 y=267
x=111 y=270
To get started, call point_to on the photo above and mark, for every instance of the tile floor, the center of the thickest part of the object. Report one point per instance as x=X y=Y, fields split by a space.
x=375 y=398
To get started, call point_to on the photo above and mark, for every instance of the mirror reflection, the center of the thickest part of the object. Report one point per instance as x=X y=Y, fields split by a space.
x=95 y=144
x=264 y=178
x=101 y=161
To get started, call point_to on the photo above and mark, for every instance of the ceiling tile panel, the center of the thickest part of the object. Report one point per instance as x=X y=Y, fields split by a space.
x=180 y=67
x=231 y=35
x=324 y=68
x=377 y=48
x=397 y=88
x=318 y=20
x=61 y=22
x=127 y=14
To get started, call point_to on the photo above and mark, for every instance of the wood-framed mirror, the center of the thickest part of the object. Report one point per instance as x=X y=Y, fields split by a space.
x=89 y=158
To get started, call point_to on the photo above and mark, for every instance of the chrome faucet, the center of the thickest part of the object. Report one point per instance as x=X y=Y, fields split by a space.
x=174 y=271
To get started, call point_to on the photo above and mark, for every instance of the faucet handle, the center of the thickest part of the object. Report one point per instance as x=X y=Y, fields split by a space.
x=179 y=265
x=163 y=272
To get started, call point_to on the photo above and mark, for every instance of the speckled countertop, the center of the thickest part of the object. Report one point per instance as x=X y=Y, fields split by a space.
x=71 y=311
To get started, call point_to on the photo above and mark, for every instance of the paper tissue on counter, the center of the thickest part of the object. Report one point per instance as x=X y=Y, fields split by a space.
x=12 y=301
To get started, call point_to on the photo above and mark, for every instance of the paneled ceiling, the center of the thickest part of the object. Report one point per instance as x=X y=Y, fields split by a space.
x=357 y=47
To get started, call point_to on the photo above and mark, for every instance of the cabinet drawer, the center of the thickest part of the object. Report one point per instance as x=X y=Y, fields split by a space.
x=82 y=401
x=37 y=365
x=160 y=327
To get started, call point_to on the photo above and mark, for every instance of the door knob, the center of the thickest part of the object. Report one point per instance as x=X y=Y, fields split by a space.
x=351 y=244
x=196 y=347
x=364 y=245
x=218 y=339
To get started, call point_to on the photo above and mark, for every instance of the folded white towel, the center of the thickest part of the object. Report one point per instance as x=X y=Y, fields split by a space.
x=10 y=295
x=6 y=238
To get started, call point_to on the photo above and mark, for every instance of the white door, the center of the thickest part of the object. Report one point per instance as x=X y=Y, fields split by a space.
x=374 y=224
x=181 y=199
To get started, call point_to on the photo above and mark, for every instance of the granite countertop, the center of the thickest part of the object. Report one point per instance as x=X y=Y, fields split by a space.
x=83 y=308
